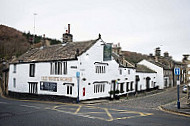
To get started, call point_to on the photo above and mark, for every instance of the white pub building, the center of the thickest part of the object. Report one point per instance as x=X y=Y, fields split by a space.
x=52 y=70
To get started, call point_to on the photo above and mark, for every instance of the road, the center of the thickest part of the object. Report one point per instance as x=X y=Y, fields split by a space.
x=133 y=112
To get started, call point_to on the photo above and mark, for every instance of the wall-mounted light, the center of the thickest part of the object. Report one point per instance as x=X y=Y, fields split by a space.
x=84 y=79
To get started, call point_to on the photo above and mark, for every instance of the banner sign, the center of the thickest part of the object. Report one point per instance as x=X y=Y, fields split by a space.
x=107 y=52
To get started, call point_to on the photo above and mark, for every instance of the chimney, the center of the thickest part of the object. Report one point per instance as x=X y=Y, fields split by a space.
x=157 y=51
x=166 y=54
x=44 y=41
x=68 y=28
x=156 y=59
x=67 y=37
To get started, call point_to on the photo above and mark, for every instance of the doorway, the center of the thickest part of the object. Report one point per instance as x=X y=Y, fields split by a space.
x=148 y=83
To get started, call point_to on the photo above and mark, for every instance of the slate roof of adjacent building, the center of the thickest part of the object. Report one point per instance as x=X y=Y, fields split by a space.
x=118 y=59
x=66 y=51
x=165 y=67
x=144 y=69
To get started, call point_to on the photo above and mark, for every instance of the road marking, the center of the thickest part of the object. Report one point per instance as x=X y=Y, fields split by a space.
x=30 y=106
x=78 y=109
x=108 y=113
x=172 y=112
x=109 y=117
x=3 y=103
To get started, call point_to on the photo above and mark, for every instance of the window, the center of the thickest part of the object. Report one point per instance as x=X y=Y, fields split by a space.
x=58 y=68
x=33 y=87
x=99 y=88
x=48 y=86
x=129 y=71
x=64 y=67
x=100 y=69
x=14 y=68
x=121 y=87
x=69 y=89
x=127 y=86
x=32 y=70
x=14 y=82
x=120 y=71
x=131 y=85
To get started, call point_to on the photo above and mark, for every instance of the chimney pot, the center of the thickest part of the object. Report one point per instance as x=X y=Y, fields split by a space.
x=68 y=28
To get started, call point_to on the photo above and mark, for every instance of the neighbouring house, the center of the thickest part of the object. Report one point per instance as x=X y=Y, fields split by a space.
x=186 y=61
x=126 y=77
x=164 y=73
x=146 y=78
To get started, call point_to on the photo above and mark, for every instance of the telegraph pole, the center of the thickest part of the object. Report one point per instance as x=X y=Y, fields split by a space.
x=34 y=27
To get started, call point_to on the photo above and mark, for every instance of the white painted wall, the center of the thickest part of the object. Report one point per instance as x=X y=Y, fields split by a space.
x=128 y=75
x=159 y=70
x=142 y=82
x=87 y=70
x=41 y=69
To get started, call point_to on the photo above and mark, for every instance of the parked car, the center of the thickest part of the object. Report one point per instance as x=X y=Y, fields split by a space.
x=184 y=89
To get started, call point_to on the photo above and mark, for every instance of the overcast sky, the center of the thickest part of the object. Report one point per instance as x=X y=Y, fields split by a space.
x=139 y=25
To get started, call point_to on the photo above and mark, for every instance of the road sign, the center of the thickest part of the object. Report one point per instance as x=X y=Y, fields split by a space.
x=77 y=74
x=177 y=71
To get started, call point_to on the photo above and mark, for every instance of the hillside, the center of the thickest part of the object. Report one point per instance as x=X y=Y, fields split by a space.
x=15 y=43
x=134 y=57
x=12 y=42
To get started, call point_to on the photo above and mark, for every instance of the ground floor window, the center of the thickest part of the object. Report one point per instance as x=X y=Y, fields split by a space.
x=121 y=87
x=33 y=87
x=127 y=86
x=131 y=85
x=48 y=86
x=98 y=88
x=14 y=82
x=69 y=89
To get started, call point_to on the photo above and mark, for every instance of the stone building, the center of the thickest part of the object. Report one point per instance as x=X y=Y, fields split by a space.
x=186 y=61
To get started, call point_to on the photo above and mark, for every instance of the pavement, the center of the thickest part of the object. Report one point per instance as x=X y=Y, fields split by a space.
x=172 y=107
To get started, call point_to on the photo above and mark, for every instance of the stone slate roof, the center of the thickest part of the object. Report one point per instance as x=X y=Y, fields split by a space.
x=165 y=67
x=144 y=69
x=119 y=60
x=66 y=51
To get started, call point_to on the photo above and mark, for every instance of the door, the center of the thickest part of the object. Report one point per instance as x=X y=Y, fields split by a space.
x=148 y=83
x=136 y=82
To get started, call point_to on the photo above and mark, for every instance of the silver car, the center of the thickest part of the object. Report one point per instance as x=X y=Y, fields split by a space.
x=184 y=89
